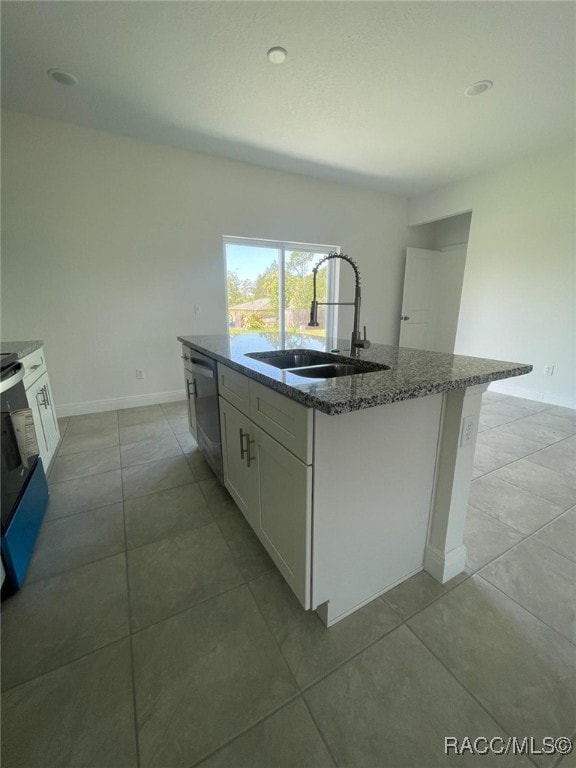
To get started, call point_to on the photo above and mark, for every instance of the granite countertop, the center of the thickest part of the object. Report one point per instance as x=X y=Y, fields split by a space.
x=21 y=348
x=412 y=373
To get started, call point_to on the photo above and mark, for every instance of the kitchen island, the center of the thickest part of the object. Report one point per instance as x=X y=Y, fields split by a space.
x=352 y=483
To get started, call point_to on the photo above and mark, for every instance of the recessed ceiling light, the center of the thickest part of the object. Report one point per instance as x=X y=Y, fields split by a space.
x=64 y=78
x=477 y=88
x=277 y=55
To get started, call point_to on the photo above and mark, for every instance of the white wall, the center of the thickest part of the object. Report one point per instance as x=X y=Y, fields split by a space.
x=518 y=298
x=108 y=242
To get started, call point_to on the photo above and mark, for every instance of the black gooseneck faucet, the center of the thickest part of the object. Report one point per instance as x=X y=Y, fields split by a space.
x=356 y=341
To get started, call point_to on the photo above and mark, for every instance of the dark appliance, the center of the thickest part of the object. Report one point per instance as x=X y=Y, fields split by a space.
x=23 y=486
x=202 y=377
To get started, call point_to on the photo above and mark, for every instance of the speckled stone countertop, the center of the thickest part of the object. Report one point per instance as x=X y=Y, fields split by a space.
x=21 y=348
x=412 y=372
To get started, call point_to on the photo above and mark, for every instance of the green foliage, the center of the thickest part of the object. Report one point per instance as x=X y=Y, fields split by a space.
x=254 y=322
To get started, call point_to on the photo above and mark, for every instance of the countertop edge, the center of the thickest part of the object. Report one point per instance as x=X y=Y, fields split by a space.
x=360 y=402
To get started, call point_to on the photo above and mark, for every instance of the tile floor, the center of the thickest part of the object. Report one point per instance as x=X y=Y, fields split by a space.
x=153 y=629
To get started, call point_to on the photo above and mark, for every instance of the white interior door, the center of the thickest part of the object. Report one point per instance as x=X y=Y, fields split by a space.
x=419 y=302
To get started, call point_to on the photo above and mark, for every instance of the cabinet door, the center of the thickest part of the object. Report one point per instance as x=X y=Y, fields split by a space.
x=191 y=398
x=284 y=502
x=239 y=477
x=47 y=432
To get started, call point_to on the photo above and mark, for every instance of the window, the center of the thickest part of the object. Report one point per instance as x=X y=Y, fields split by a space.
x=269 y=288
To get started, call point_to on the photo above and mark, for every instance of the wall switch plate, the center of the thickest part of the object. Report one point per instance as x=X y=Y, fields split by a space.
x=548 y=370
x=139 y=373
x=468 y=430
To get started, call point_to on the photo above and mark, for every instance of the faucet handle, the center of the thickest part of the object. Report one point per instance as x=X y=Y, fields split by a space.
x=365 y=342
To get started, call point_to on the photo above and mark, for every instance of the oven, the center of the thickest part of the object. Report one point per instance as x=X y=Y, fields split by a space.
x=23 y=486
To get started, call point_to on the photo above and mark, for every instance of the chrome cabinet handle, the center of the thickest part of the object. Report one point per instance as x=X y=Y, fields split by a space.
x=404 y=317
x=244 y=451
x=33 y=367
x=249 y=457
x=193 y=385
x=184 y=357
x=42 y=392
x=47 y=396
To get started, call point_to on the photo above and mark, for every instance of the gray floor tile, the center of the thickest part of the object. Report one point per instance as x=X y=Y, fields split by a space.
x=486 y=538
x=72 y=496
x=198 y=464
x=70 y=542
x=145 y=451
x=541 y=580
x=487 y=458
x=217 y=497
x=146 y=414
x=493 y=397
x=77 y=465
x=186 y=442
x=155 y=476
x=493 y=418
x=559 y=410
x=179 y=424
x=559 y=457
x=538 y=433
x=311 y=649
x=92 y=422
x=59 y=619
x=542 y=481
x=203 y=677
x=88 y=441
x=137 y=432
x=78 y=715
x=511 y=444
x=167 y=513
x=561 y=423
x=384 y=707
x=522 y=671
x=175 y=573
x=512 y=505
x=249 y=554
x=515 y=407
x=63 y=424
x=560 y=535
x=419 y=591
x=287 y=739
x=176 y=408
x=533 y=406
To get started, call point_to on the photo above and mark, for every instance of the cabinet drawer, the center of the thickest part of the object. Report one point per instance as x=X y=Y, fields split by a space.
x=235 y=387
x=287 y=421
x=34 y=366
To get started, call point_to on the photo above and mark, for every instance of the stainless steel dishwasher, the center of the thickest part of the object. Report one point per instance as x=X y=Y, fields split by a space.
x=203 y=415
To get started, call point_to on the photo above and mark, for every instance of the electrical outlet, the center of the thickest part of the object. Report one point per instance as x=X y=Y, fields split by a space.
x=468 y=429
x=197 y=309
x=139 y=373
x=548 y=370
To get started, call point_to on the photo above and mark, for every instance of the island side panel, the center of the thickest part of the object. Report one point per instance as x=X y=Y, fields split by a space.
x=445 y=550
x=374 y=475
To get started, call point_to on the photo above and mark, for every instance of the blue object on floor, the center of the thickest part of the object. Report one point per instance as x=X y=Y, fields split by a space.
x=19 y=536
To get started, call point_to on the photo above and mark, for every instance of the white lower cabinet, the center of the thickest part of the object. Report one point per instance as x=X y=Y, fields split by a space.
x=273 y=489
x=284 y=512
x=39 y=395
x=239 y=477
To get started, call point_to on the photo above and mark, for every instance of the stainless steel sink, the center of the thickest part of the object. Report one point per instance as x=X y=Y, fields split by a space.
x=329 y=371
x=317 y=365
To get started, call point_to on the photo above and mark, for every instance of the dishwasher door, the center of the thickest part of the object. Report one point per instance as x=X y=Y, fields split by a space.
x=204 y=393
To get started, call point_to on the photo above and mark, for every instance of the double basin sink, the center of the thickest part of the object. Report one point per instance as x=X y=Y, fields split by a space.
x=317 y=365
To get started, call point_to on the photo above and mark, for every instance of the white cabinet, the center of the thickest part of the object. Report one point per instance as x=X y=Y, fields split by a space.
x=39 y=394
x=271 y=486
x=284 y=511
x=239 y=474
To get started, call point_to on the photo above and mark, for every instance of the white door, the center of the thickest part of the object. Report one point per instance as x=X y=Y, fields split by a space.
x=419 y=303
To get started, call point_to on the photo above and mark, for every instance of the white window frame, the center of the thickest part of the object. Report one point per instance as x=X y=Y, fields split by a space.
x=283 y=246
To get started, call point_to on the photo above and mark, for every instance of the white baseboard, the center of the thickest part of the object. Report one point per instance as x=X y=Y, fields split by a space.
x=508 y=387
x=118 y=403
x=444 y=567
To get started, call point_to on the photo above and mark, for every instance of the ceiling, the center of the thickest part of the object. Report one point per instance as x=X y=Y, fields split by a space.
x=372 y=93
